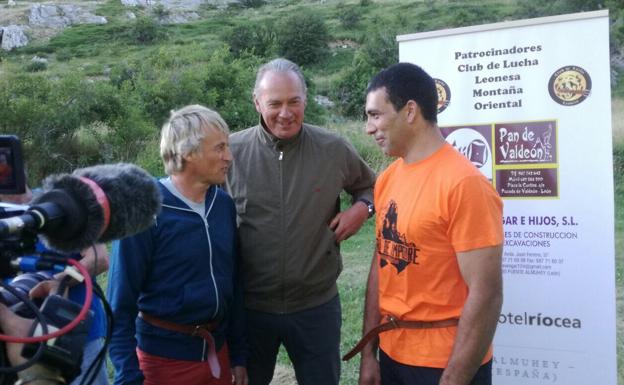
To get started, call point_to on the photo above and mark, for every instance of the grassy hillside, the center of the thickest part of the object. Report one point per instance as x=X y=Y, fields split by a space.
x=117 y=82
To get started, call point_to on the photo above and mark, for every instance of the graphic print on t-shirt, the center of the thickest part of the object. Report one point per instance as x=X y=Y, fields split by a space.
x=392 y=246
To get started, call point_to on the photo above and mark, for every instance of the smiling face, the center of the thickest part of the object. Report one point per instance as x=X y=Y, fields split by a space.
x=210 y=163
x=281 y=101
x=387 y=125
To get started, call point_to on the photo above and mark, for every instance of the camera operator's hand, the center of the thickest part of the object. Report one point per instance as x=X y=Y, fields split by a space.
x=44 y=288
x=16 y=326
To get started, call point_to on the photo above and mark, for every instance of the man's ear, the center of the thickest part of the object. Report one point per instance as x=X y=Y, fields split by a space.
x=257 y=104
x=412 y=110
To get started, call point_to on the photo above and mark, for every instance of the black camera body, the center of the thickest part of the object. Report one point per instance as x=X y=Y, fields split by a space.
x=64 y=352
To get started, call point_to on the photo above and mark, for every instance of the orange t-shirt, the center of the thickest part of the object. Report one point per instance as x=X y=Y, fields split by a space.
x=426 y=213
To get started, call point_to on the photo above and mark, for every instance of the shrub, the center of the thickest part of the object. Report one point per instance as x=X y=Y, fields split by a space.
x=64 y=54
x=379 y=51
x=258 y=40
x=349 y=16
x=160 y=11
x=251 y=3
x=303 y=38
x=146 y=31
x=67 y=122
x=36 y=66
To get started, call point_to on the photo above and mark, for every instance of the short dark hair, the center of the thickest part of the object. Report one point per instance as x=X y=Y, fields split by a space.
x=407 y=81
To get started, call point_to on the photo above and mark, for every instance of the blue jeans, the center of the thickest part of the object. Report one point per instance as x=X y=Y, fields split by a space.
x=395 y=373
x=311 y=338
x=91 y=350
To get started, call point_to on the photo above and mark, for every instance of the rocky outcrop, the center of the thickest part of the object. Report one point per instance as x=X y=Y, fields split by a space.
x=324 y=101
x=11 y=37
x=60 y=16
x=176 y=4
x=167 y=4
x=179 y=18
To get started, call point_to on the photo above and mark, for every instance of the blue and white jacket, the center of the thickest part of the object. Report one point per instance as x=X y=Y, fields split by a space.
x=183 y=269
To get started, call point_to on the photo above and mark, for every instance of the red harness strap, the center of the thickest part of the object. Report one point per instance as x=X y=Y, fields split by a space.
x=202 y=331
x=393 y=323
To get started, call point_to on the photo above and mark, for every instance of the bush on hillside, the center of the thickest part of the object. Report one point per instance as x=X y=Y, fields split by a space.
x=146 y=30
x=36 y=66
x=252 y=3
x=258 y=40
x=54 y=118
x=217 y=80
x=64 y=54
x=378 y=51
x=303 y=38
x=349 y=16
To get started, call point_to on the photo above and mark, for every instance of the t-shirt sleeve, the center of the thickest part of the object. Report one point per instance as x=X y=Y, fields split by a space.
x=475 y=215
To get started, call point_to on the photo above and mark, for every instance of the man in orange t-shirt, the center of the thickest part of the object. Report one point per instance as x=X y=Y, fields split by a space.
x=436 y=274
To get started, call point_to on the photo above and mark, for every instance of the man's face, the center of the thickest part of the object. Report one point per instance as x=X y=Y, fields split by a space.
x=211 y=162
x=281 y=101
x=386 y=124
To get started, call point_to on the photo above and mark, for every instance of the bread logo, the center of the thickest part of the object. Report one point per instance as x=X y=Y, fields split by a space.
x=569 y=85
x=444 y=94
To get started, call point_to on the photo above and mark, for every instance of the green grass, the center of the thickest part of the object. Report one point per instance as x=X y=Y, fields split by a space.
x=357 y=254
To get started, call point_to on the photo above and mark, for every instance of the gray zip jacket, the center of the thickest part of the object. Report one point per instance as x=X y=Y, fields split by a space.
x=286 y=192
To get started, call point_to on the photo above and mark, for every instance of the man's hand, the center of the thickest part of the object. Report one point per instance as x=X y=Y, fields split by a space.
x=16 y=326
x=348 y=222
x=44 y=288
x=369 y=370
x=240 y=375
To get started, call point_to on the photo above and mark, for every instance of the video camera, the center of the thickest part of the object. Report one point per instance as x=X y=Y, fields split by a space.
x=11 y=166
x=91 y=205
x=19 y=254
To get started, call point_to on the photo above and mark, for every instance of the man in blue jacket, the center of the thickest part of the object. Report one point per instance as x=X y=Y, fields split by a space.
x=173 y=288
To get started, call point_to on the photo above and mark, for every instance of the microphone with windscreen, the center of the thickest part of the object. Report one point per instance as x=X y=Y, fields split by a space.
x=93 y=204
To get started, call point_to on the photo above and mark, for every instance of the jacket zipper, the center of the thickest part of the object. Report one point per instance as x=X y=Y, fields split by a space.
x=282 y=228
x=214 y=281
x=204 y=356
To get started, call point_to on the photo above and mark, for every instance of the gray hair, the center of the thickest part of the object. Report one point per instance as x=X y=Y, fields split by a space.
x=279 y=65
x=183 y=133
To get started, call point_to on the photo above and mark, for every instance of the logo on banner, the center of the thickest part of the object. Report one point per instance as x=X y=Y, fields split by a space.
x=569 y=85
x=392 y=246
x=473 y=145
x=444 y=94
x=539 y=319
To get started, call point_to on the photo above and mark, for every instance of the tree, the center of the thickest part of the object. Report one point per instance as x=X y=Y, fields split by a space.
x=303 y=38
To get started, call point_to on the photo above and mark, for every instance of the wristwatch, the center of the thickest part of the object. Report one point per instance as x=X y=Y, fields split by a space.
x=369 y=205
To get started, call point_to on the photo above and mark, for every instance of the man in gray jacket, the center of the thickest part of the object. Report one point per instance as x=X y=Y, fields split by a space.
x=286 y=179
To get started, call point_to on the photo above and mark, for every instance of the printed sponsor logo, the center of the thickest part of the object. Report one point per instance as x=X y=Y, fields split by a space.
x=444 y=94
x=569 y=85
x=539 y=319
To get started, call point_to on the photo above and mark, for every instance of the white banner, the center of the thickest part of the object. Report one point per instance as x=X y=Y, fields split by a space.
x=528 y=102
